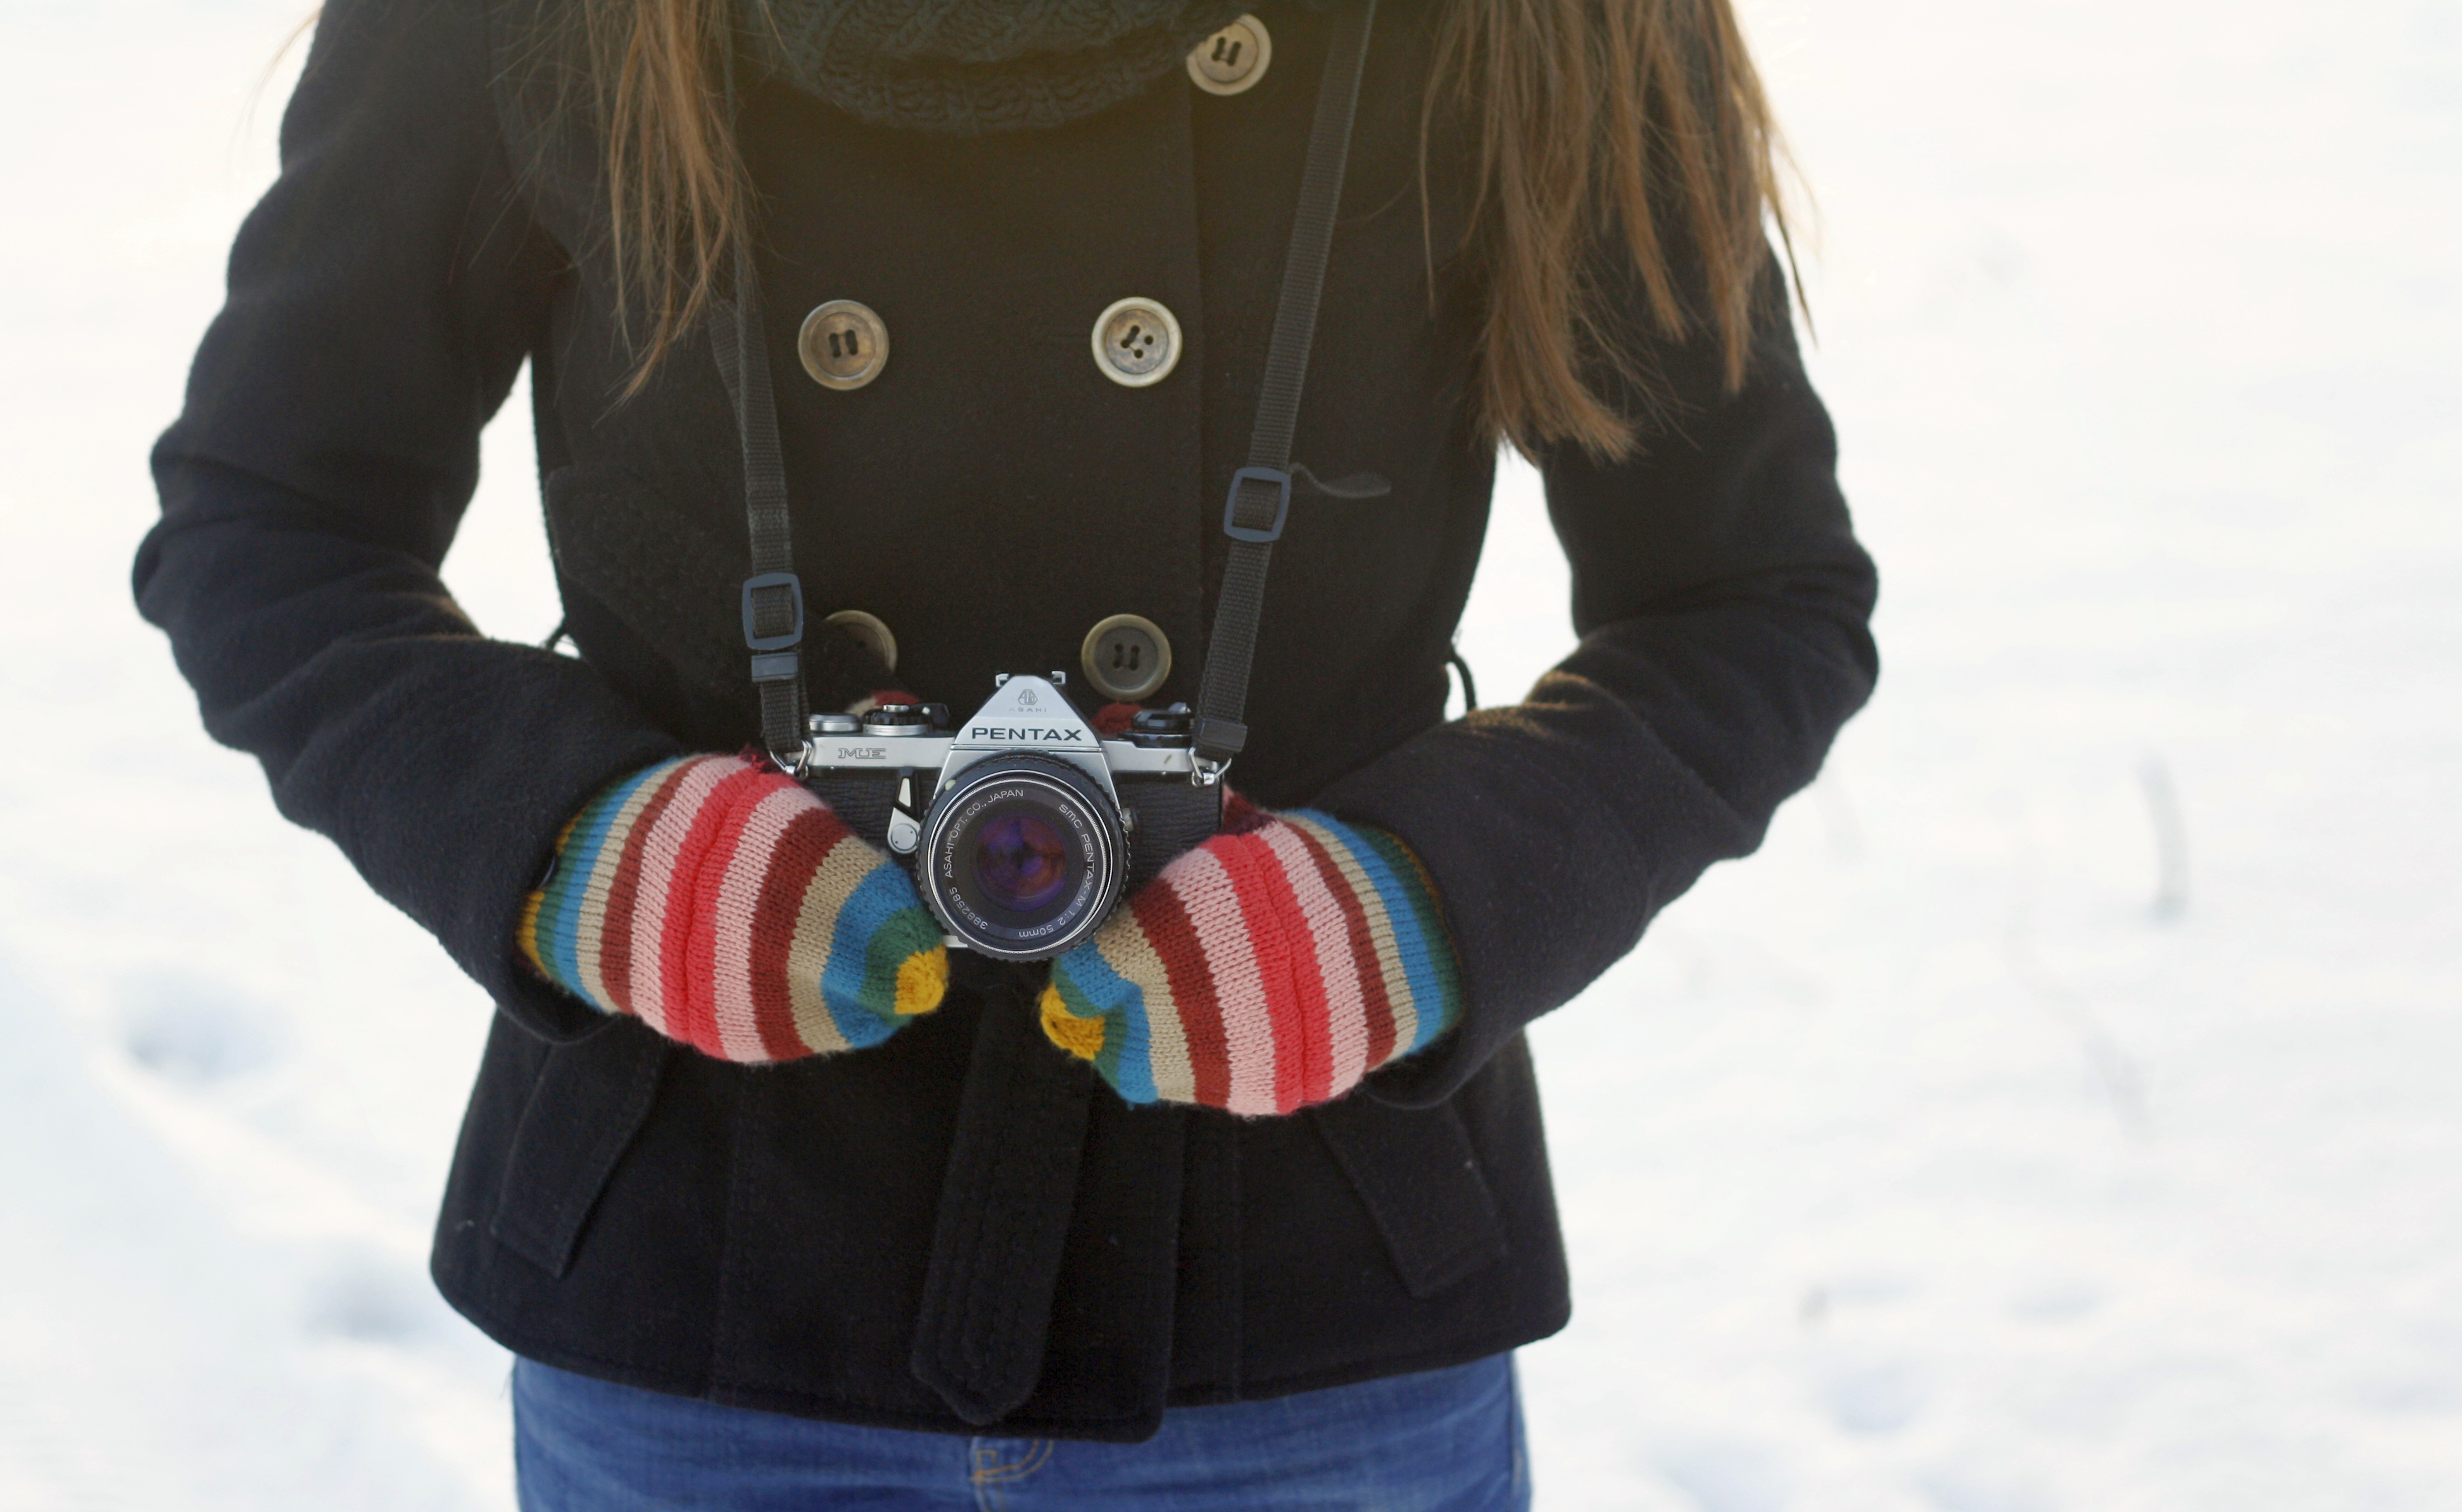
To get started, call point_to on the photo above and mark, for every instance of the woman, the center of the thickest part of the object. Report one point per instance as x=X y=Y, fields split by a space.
x=1243 y=1198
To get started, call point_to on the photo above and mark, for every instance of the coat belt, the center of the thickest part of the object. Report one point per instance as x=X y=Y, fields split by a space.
x=1005 y=1201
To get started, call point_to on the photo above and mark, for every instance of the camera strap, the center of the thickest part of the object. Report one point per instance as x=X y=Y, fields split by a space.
x=772 y=600
x=1260 y=501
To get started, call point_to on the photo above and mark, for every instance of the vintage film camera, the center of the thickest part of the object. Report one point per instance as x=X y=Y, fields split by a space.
x=1024 y=827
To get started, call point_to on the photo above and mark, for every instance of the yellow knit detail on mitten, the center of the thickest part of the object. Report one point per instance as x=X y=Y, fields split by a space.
x=1082 y=1038
x=922 y=980
x=526 y=936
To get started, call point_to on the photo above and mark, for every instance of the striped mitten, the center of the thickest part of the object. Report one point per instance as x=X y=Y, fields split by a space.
x=1269 y=968
x=721 y=903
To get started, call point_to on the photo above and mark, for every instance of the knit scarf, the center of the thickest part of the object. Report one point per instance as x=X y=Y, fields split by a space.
x=970 y=65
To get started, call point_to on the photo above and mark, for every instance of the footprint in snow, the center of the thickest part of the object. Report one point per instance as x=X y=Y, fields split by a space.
x=1727 y=1476
x=1875 y=1397
x=2057 y=1301
x=1966 y=1491
x=196 y=1031
x=2410 y=1391
x=371 y=1300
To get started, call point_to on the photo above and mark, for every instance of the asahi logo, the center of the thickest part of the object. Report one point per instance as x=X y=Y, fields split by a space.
x=1025 y=698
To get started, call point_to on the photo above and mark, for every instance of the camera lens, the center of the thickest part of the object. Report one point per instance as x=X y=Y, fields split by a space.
x=1022 y=856
x=1020 y=862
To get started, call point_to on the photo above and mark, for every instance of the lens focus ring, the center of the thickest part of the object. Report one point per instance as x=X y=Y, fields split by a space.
x=1022 y=856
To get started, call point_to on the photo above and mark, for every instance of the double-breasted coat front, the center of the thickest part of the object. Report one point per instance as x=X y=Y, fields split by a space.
x=859 y=1236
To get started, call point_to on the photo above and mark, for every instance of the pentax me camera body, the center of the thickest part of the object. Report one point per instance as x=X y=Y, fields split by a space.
x=1024 y=825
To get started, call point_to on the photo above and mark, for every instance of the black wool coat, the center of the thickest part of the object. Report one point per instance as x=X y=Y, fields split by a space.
x=960 y=1226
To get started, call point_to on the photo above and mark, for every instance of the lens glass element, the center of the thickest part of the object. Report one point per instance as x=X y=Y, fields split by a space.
x=1020 y=862
x=1022 y=856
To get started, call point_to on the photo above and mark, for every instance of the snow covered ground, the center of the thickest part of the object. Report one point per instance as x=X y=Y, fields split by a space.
x=1975 y=1149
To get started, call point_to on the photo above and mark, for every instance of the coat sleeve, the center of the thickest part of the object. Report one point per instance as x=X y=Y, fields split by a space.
x=381 y=300
x=1722 y=606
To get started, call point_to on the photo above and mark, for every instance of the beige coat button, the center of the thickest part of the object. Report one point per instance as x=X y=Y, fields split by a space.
x=1136 y=342
x=870 y=633
x=1126 y=656
x=844 y=344
x=1232 y=59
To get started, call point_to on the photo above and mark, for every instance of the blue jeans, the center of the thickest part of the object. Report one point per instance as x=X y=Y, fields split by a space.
x=1437 y=1442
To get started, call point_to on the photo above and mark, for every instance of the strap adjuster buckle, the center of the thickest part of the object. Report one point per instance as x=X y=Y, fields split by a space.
x=1271 y=534
x=794 y=587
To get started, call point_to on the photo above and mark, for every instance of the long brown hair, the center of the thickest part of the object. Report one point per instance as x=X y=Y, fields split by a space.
x=1640 y=126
